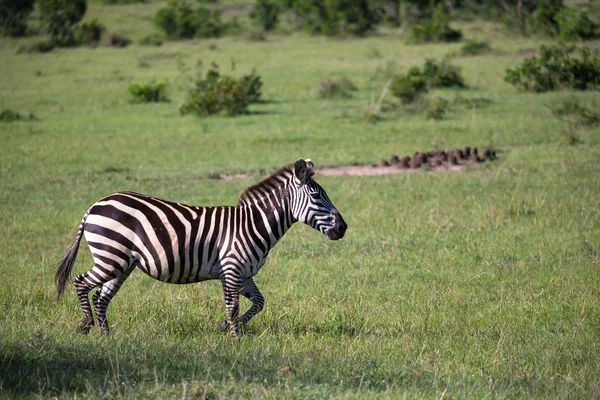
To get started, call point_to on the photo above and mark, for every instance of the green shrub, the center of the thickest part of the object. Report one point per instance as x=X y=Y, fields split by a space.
x=435 y=74
x=576 y=117
x=222 y=94
x=375 y=110
x=436 y=108
x=90 y=32
x=442 y=74
x=470 y=102
x=180 y=21
x=252 y=85
x=572 y=111
x=409 y=87
x=122 y=1
x=475 y=47
x=575 y=25
x=434 y=29
x=44 y=46
x=336 y=88
x=256 y=36
x=8 y=115
x=152 y=40
x=557 y=67
x=265 y=14
x=543 y=18
x=337 y=17
x=59 y=18
x=117 y=40
x=149 y=92
x=13 y=16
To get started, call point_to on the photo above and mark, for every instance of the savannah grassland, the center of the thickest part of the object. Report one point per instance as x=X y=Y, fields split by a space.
x=484 y=283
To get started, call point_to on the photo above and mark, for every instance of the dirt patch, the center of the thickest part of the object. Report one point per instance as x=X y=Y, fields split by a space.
x=435 y=160
x=527 y=52
x=372 y=170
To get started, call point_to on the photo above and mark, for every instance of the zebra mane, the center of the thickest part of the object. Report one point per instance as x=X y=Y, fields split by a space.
x=268 y=185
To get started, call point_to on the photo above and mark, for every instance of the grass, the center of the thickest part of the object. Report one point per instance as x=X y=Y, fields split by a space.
x=477 y=284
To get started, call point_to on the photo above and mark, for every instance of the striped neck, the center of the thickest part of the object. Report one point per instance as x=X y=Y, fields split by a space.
x=269 y=201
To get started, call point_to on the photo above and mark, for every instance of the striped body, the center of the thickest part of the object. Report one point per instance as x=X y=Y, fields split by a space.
x=178 y=243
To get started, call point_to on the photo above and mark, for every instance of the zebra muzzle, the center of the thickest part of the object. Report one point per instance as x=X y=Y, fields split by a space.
x=337 y=231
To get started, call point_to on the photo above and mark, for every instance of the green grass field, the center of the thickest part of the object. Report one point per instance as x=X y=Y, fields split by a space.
x=484 y=283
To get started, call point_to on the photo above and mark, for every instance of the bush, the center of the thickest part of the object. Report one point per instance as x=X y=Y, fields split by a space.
x=375 y=110
x=59 y=17
x=572 y=111
x=122 y=1
x=336 y=88
x=13 y=16
x=434 y=29
x=434 y=74
x=442 y=74
x=44 y=46
x=470 y=102
x=252 y=86
x=179 y=21
x=327 y=17
x=217 y=94
x=575 y=25
x=90 y=32
x=117 y=40
x=149 y=92
x=152 y=40
x=436 y=108
x=409 y=87
x=544 y=16
x=576 y=118
x=8 y=115
x=475 y=47
x=265 y=14
x=557 y=67
x=256 y=36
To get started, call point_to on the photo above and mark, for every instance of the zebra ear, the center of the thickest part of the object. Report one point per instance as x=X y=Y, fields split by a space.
x=300 y=169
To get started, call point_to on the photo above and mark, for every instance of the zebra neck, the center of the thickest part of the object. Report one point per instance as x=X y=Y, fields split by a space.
x=272 y=217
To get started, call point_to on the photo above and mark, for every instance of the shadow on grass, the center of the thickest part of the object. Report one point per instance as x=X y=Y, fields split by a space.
x=41 y=365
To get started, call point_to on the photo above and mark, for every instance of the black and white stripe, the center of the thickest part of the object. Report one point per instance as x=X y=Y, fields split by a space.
x=177 y=243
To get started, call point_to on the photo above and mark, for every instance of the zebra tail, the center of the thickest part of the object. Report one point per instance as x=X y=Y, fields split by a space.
x=64 y=267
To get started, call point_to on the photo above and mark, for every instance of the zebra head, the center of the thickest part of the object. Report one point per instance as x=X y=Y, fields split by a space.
x=311 y=205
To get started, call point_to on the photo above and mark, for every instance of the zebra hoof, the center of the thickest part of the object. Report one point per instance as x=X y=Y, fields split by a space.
x=84 y=329
x=222 y=326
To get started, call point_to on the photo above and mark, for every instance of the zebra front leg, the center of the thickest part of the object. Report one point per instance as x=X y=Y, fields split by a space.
x=231 y=289
x=251 y=292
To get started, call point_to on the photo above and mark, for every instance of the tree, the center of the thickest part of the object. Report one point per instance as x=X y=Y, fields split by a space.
x=13 y=16
x=332 y=17
x=59 y=18
x=266 y=14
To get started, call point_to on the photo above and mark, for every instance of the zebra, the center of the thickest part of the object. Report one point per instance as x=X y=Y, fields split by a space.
x=178 y=243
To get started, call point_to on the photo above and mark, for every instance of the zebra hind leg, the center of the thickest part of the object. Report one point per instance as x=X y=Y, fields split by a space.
x=251 y=292
x=83 y=286
x=104 y=295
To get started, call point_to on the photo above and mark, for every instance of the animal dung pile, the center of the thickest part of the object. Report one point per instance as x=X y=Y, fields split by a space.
x=439 y=158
